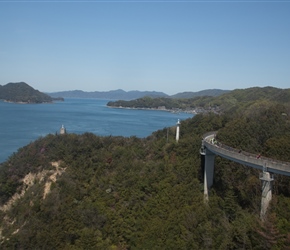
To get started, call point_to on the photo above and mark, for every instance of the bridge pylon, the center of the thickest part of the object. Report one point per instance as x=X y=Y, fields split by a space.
x=208 y=169
x=267 y=185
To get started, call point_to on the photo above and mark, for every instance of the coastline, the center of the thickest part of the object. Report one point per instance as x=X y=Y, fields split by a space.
x=26 y=102
x=21 y=102
x=193 y=111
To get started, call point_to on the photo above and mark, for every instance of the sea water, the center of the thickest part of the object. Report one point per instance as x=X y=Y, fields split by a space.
x=21 y=124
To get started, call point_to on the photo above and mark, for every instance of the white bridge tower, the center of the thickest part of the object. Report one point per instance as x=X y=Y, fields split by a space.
x=177 y=130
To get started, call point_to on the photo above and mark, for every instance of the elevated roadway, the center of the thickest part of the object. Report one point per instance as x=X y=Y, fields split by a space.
x=210 y=145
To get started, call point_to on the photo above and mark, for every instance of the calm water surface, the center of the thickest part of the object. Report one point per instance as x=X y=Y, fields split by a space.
x=22 y=123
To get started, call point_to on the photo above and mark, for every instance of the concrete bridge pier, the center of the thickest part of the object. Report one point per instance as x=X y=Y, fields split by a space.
x=208 y=171
x=267 y=184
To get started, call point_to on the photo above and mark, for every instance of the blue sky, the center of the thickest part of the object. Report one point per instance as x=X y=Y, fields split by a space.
x=168 y=46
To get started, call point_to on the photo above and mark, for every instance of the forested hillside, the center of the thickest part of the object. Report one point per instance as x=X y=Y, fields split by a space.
x=235 y=99
x=207 y=92
x=89 y=192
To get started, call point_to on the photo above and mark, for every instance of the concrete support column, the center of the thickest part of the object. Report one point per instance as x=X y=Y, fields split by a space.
x=267 y=184
x=208 y=171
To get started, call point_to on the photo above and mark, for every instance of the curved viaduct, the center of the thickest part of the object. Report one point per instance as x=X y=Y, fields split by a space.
x=210 y=147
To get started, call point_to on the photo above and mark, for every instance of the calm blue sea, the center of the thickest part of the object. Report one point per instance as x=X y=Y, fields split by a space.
x=22 y=123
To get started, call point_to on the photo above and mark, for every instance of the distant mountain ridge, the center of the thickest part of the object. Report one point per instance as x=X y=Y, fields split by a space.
x=22 y=92
x=112 y=94
x=120 y=94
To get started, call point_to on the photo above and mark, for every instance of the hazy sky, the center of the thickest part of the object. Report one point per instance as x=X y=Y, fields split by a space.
x=168 y=46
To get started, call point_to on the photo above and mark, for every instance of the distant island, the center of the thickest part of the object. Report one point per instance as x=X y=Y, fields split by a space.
x=21 y=92
x=159 y=103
